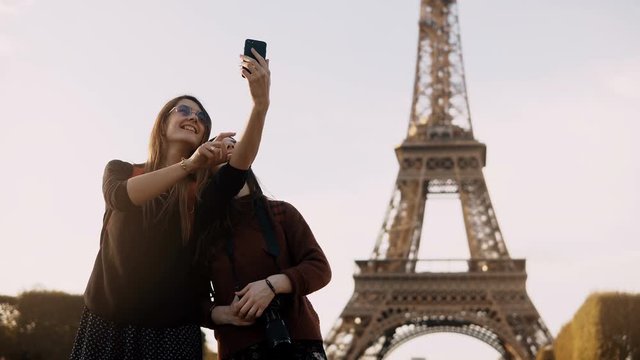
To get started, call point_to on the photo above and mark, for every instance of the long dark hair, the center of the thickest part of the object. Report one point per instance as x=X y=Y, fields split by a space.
x=236 y=212
x=159 y=209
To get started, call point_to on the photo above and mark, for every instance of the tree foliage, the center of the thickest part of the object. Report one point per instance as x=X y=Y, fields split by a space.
x=39 y=324
x=605 y=327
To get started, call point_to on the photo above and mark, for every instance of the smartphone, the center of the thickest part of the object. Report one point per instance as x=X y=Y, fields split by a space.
x=260 y=46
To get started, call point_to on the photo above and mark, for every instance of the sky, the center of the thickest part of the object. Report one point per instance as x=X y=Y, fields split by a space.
x=554 y=92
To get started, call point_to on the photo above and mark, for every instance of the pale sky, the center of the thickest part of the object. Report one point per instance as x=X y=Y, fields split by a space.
x=554 y=94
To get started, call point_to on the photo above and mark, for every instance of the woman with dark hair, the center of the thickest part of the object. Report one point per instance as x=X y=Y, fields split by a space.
x=144 y=300
x=262 y=259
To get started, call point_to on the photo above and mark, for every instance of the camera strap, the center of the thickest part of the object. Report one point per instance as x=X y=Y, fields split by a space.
x=268 y=233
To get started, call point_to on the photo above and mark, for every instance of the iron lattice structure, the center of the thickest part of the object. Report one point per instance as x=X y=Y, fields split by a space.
x=398 y=297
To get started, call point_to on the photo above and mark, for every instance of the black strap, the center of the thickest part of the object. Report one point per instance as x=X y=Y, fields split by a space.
x=267 y=230
x=269 y=234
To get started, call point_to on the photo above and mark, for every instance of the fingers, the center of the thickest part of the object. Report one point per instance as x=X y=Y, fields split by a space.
x=234 y=305
x=254 y=298
x=242 y=322
x=254 y=63
x=226 y=315
x=240 y=304
x=260 y=59
x=243 y=291
x=251 y=66
x=248 y=64
x=212 y=147
x=246 y=307
x=215 y=154
x=229 y=144
x=219 y=150
x=244 y=310
x=252 y=312
x=223 y=135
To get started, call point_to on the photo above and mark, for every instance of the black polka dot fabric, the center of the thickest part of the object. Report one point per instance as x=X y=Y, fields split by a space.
x=298 y=350
x=100 y=339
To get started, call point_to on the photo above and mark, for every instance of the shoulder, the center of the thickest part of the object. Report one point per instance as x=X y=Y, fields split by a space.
x=119 y=168
x=283 y=210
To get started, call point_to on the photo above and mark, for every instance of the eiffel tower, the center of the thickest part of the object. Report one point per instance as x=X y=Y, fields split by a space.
x=398 y=297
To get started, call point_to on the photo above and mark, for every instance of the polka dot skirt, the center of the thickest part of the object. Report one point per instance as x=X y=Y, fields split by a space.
x=100 y=339
x=298 y=350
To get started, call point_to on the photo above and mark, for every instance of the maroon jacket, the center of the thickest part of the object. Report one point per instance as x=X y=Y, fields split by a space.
x=301 y=259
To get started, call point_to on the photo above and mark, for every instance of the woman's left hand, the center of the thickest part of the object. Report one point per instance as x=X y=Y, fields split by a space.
x=254 y=299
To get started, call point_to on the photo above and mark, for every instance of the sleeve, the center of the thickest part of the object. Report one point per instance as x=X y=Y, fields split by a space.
x=311 y=271
x=224 y=184
x=114 y=185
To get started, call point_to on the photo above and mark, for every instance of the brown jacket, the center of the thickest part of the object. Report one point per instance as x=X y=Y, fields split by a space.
x=301 y=259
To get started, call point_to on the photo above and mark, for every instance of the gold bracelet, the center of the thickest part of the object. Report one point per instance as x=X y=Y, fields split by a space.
x=183 y=165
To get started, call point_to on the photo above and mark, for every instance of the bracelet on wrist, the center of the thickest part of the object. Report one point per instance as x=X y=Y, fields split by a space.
x=271 y=286
x=183 y=165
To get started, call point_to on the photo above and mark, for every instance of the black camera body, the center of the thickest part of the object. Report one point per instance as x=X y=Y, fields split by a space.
x=275 y=329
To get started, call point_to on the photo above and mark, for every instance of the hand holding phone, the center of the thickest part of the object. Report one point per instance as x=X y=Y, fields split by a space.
x=259 y=46
x=257 y=71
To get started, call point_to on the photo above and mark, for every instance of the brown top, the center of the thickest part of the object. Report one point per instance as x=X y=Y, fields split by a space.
x=144 y=275
x=301 y=259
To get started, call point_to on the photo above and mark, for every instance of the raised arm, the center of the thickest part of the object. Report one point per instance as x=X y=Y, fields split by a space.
x=259 y=78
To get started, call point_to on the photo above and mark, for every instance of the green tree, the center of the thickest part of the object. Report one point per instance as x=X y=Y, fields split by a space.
x=8 y=327
x=39 y=325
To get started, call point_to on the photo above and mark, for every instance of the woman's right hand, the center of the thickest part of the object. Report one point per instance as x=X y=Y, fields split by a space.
x=212 y=153
x=225 y=315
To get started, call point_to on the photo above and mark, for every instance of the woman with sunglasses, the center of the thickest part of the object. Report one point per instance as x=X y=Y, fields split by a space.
x=144 y=300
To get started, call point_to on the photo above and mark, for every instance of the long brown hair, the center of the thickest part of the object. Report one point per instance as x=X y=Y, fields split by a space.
x=230 y=215
x=181 y=192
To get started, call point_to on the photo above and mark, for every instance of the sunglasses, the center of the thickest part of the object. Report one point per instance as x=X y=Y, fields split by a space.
x=185 y=110
x=233 y=141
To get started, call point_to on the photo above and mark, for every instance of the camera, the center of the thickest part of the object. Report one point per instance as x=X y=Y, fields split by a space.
x=276 y=331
